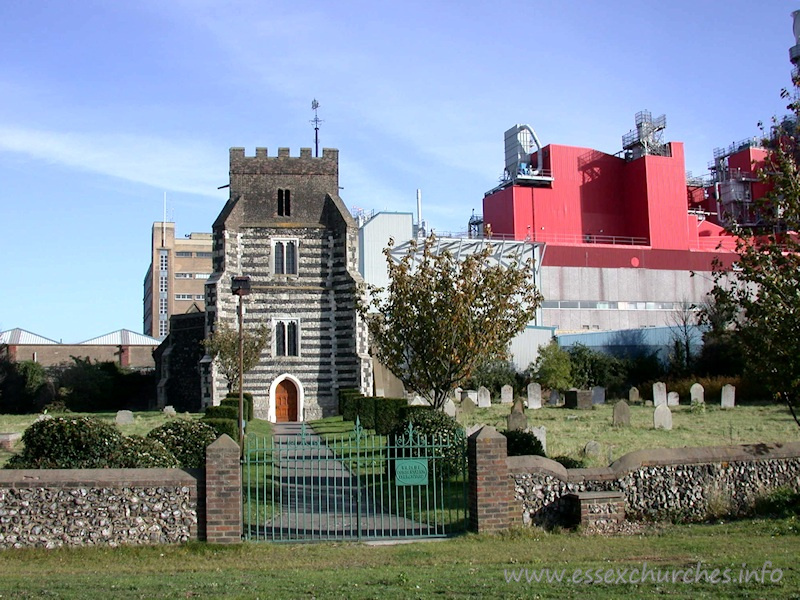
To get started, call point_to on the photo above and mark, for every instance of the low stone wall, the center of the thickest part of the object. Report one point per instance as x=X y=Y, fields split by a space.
x=58 y=507
x=683 y=484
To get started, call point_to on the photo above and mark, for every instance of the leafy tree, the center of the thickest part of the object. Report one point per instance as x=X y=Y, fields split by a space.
x=590 y=367
x=552 y=368
x=223 y=346
x=442 y=316
x=763 y=290
x=685 y=337
x=22 y=386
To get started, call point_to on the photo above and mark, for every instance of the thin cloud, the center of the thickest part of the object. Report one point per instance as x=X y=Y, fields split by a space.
x=179 y=166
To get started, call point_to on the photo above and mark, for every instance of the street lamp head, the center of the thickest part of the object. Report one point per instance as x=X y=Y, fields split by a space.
x=240 y=286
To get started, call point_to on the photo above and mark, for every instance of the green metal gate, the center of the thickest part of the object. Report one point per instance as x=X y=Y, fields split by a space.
x=355 y=486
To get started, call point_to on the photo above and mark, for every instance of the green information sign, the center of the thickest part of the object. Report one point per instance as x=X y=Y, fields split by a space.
x=411 y=471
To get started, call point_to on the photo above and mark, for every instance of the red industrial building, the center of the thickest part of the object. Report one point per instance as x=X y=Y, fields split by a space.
x=628 y=241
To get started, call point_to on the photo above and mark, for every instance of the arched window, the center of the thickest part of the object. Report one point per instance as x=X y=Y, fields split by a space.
x=287 y=337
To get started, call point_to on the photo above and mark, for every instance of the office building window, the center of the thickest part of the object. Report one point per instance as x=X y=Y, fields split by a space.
x=183 y=296
x=202 y=275
x=183 y=275
x=203 y=254
x=287 y=337
x=183 y=254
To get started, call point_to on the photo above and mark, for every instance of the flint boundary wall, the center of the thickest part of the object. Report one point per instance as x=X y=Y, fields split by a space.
x=680 y=484
x=85 y=507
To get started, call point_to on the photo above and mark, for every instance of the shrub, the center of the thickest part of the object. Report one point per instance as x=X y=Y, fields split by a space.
x=70 y=443
x=144 y=453
x=233 y=400
x=781 y=502
x=186 y=439
x=570 y=463
x=228 y=426
x=223 y=411
x=23 y=387
x=523 y=443
x=429 y=423
x=493 y=375
x=389 y=414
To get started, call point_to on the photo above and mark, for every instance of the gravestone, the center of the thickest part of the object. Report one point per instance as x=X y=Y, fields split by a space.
x=169 y=411
x=659 y=393
x=598 y=395
x=592 y=448
x=519 y=406
x=622 y=414
x=517 y=421
x=471 y=394
x=580 y=399
x=534 y=396
x=728 y=396
x=506 y=394
x=662 y=417
x=698 y=394
x=555 y=398
x=541 y=435
x=124 y=417
x=467 y=405
x=484 y=398
x=457 y=394
x=673 y=399
x=450 y=408
x=648 y=403
x=418 y=401
x=633 y=396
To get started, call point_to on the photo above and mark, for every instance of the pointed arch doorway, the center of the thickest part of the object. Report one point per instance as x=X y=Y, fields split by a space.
x=286 y=403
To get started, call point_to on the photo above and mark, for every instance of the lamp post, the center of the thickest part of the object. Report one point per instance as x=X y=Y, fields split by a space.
x=240 y=286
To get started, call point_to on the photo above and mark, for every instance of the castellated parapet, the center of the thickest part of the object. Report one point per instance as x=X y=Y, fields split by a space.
x=286 y=228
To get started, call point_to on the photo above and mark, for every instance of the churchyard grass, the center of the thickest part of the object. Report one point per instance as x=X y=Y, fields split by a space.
x=568 y=430
x=470 y=566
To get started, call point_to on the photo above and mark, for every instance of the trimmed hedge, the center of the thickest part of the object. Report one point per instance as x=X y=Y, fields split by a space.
x=144 y=453
x=223 y=411
x=233 y=400
x=229 y=426
x=428 y=422
x=348 y=404
x=389 y=413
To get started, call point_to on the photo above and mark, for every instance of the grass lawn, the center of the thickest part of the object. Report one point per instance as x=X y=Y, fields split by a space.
x=568 y=430
x=471 y=566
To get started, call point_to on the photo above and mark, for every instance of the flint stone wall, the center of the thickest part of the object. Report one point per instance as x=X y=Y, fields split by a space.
x=59 y=507
x=675 y=484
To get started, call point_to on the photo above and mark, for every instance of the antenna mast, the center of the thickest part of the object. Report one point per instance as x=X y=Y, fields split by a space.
x=316 y=121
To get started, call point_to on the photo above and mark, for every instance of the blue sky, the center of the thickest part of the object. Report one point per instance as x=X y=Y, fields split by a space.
x=105 y=106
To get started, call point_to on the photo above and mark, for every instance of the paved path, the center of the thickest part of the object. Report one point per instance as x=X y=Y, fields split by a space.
x=319 y=498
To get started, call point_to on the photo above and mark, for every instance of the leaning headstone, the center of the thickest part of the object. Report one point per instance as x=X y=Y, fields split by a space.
x=622 y=414
x=534 y=395
x=598 y=395
x=592 y=448
x=450 y=408
x=555 y=398
x=633 y=395
x=728 y=396
x=473 y=428
x=541 y=434
x=698 y=394
x=169 y=411
x=484 y=398
x=659 y=393
x=673 y=399
x=662 y=417
x=517 y=421
x=124 y=417
x=507 y=394
x=467 y=405
x=519 y=406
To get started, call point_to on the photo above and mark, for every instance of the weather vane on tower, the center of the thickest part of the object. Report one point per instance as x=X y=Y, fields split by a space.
x=316 y=121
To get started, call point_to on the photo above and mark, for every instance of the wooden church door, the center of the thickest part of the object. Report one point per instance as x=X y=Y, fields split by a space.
x=286 y=402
